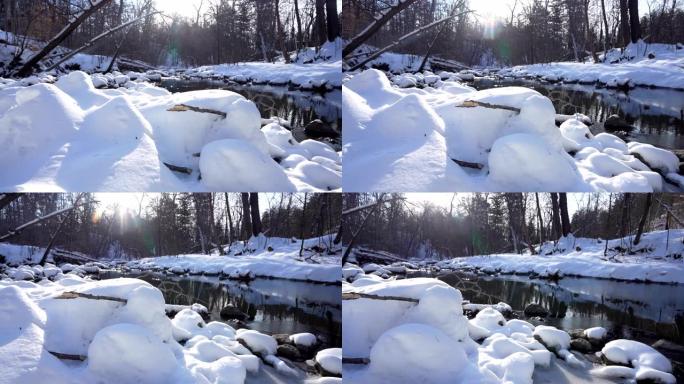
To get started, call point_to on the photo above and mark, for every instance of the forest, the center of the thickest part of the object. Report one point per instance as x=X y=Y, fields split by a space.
x=220 y=31
x=536 y=31
x=162 y=224
x=489 y=223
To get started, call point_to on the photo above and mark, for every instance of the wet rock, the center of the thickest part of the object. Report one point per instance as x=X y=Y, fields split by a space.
x=233 y=313
x=289 y=352
x=581 y=345
x=616 y=123
x=534 y=310
x=576 y=333
x=317 y=128
x=282 y=338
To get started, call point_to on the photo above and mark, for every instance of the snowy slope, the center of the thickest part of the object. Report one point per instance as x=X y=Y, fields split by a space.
x=255 y=260
x=450 y=137
x=88 y=139
x=649 y=261
x=631 y=68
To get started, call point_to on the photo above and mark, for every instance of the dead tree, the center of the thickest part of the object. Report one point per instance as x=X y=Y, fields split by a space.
x=59 y=228
x=381 y=19
x=7 y=198
x=78 y=19
x=16 y=231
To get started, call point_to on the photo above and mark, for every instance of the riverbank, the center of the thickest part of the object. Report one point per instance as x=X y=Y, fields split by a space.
x=399 y=136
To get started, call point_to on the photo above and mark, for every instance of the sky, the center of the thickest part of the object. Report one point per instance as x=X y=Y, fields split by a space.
x=498 y=9
x=131 y=201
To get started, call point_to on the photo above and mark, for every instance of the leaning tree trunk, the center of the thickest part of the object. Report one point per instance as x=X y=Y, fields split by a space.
x=565 y=218
x=634 y=27
x=27 y=68
x=644 y=217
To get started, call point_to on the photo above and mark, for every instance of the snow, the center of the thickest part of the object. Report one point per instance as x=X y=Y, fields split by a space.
x=650 y=261
x=120 y=342
x=595 y=333
x=449 y=137
x=303 y=339
x=418 y=333
x=631 y=68
x=283 y=262
x=120 y=140
x=331 y=360
x=258 y=342
x=645 y=362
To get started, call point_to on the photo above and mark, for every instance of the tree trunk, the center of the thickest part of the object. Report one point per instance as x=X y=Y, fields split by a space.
x=644 y=217
x=555 y=219
x=280 y=34
x=303 y=225
x=256 y=215
x=565 y=218
x=27 y=68
x=59 y=228
x=333 y=21
x=624 y=228
x=541 y=222
x=299 y=24
x=605 y=23
x=607 y=229
x=246 y=216
x=634 y=26
x=320 y=27
x=230 y=219
x=624 y=23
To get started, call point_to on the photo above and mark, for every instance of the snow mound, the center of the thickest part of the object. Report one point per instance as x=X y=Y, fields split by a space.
x=258 y=342
x=303 y=339
x=331 y=360
x=647 y=362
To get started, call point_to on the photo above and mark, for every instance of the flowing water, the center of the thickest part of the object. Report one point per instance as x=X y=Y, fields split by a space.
x=274 y=306
x=636 y=311
x=657 y=114
x=297 y=107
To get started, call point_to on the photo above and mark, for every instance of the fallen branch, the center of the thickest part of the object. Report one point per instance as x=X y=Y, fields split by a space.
x=66 y=356
x=176 y=168
x=359 y=295
x=186 y=108
x=473 y=104
x=78 y=295
x=468 y=164
x=356 y=360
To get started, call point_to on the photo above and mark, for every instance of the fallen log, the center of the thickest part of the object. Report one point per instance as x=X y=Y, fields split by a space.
x=356 y=360
x=78 y=295
x=482 y=104
x=66 y=356
x=186 y=108
x=468 y=164
x=179 y=169
x=359 y=295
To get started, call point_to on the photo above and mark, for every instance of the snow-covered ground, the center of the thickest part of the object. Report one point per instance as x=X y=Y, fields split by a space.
x=414 y=330
x=649 y=261
x=320 y=71
x=74 y=330
x=260 y=257
x=449 y=137
x=641 y=64
x=128 y=139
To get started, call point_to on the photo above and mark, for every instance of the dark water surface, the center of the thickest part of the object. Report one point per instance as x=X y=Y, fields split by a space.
x=658 y=114
x=297 y=107
x=275 y=306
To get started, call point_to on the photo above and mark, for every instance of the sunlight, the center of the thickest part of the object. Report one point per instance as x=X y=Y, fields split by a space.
x=489 y=31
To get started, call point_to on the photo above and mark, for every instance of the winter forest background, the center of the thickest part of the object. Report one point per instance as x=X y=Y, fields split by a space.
x=220 y=31
x=488 y=223
x=166 y=223
x=536 y=31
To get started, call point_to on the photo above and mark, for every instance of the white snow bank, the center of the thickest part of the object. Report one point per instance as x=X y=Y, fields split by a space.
x=331 y=360
x=127 y=139
x=650 y=261
x=645 y=362
x=448 y=137
x=255 y=260
x=303 y=339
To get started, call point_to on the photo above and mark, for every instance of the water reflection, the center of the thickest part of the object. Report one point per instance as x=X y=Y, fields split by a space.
x=274 y=306
x=658 y=114
x=297 y=107
x=632 y=310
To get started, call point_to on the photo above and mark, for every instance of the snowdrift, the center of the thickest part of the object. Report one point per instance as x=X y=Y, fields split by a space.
x=655 y=259
x=414 y=330
x=130 y=139
x=450 y=137
x=260 y=257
